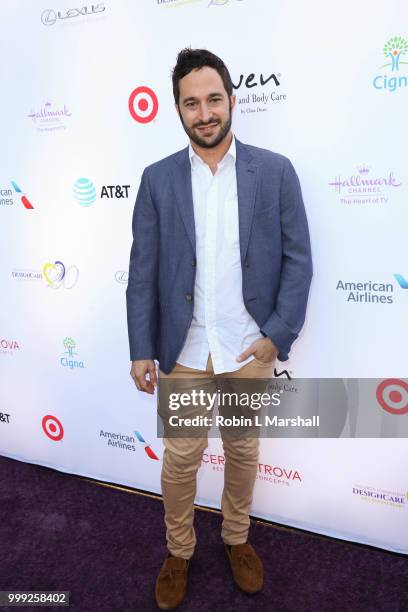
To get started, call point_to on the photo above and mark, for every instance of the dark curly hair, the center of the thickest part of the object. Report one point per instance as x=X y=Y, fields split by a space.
x=189 y=59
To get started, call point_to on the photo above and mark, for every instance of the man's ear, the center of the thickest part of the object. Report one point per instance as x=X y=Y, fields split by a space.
x=233 y=100
x=177 y=109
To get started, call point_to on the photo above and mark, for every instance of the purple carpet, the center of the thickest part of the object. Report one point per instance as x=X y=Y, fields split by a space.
x=59 y=532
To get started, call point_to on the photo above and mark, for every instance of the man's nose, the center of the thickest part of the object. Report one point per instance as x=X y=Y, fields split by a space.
x=205 y=114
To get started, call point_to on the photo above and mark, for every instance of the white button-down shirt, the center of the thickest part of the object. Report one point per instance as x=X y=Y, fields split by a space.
x=221 y=324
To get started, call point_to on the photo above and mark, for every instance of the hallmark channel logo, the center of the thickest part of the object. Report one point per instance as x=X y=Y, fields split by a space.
x=143 y=104
x=392 y=395
x=49 y=17
x=50 y=118
x=8 y=347
x=394 y=50
x=365 y=188
x=128 y=443
x=69 y=358
x=257 y=93
x=367 y=292
x=56 y=275
x=393 y=499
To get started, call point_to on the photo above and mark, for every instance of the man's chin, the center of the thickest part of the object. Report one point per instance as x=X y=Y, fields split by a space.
x=208 y=142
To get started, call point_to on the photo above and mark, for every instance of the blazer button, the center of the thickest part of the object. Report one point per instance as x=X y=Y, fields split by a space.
x=193 y=263
x=189 y=297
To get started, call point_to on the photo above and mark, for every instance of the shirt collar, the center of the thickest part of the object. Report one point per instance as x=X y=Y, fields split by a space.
x=232 y=152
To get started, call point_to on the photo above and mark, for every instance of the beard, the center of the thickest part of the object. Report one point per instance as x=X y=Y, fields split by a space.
x=202 y=142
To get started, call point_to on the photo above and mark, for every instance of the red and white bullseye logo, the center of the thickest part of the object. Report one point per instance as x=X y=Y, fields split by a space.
x=143 y=104
x=392 y=395
x=52 y=427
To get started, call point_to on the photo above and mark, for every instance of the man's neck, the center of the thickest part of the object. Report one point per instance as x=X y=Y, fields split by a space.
x=212 y=156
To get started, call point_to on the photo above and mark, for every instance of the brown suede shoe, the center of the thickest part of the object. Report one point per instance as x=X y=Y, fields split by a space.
x=171 y=583
x=247 y=568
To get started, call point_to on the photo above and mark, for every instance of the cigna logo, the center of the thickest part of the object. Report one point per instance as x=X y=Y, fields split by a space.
x=56 y=275
x=24 y=200
x=394 y=50
x=70 y=357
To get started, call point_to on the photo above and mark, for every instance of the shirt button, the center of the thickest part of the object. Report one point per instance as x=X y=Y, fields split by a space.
x=189 y=297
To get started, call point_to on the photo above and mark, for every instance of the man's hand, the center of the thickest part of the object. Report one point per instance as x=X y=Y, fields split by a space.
x=139 y=371
x=263 y=350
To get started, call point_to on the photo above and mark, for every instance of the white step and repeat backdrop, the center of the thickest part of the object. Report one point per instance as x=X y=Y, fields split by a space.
x=86 y=103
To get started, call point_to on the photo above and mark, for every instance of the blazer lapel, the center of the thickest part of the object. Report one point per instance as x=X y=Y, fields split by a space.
x=247 y=176
x=184 y=193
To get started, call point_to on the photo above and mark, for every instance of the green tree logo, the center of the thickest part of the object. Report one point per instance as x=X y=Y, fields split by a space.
x=394 y=48
x=70 y=344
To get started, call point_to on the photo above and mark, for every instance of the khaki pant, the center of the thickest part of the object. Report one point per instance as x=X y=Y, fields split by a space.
x=182 y=458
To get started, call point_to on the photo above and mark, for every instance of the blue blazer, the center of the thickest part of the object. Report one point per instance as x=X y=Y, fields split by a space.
x=274 y=243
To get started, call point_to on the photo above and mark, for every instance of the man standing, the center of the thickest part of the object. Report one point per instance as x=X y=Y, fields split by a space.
x=219 y=277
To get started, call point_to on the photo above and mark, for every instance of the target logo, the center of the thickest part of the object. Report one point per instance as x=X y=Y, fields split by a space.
x=52 y=427
x=143 y=104
x=392 y=395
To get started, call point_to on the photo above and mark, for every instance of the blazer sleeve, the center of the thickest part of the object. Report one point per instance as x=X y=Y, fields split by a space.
x=142 y=289
x=286 y=321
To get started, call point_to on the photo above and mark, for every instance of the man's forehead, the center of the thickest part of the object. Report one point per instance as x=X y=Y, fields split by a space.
x=203 y=80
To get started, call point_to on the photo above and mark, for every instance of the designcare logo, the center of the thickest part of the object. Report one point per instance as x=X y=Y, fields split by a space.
x=69 y=358
x=23 y=198
x=128 y=443
x=50 y=118
x=84 y=192
x=394 y=499
x=49 y=17
x=365 y=188
x=395 y=49
x=8 y=347
x=143 y=104
x=56 y=275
